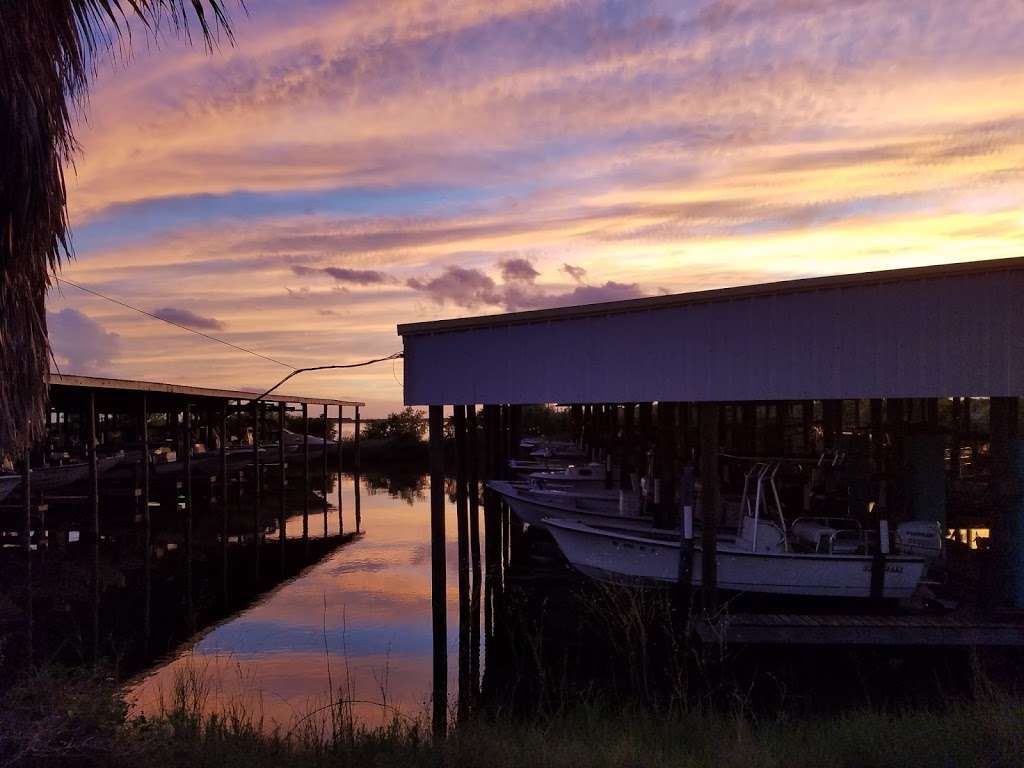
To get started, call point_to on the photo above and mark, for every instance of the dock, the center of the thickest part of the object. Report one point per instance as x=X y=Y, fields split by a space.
x=955 y=630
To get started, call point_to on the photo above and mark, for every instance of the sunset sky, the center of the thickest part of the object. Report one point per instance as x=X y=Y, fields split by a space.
x=350 y=166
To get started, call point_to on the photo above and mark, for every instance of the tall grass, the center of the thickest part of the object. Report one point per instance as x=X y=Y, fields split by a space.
x=54 y=719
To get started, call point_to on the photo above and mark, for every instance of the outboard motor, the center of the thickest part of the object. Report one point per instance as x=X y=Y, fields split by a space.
x=920 y=538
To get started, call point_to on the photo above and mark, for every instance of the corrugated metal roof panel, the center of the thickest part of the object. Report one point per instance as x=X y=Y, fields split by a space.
x=934 y=332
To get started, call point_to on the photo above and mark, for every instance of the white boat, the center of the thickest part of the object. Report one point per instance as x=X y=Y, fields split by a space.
x=7 y=484
x=575 y=476
x=533 y=505
x=760 y=559
x=565 y=451
x=651 y=560
x=58 y=476
x=524 y=467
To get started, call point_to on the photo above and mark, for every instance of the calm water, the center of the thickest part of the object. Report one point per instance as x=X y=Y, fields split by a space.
x=360 y=618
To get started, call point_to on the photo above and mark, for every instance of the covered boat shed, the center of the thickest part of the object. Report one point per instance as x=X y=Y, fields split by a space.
x=725 y=364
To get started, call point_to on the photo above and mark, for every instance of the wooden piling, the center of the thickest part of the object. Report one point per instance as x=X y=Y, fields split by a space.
x=627 y=448
x=305 y=479
x=282 y=515
x=189 y=554
x=94 y=504
x=956 y=409
x=665 y=514
x=688 y=503
x=323 y=470
x=710 y=503
x=224 y=443
x=26 y=486
x=341 y=464
x=437 y=568
x=147 y=527
x=472 y=460
x=355 y=443
x=462 y=526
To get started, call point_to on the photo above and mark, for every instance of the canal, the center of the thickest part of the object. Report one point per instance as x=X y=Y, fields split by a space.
x=358 y=620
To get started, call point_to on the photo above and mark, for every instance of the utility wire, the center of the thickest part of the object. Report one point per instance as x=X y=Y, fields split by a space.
x=395 y=356
x=295 y=371
x=176 y=325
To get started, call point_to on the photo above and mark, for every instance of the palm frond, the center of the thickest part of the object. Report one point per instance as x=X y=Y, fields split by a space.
x=47 y=52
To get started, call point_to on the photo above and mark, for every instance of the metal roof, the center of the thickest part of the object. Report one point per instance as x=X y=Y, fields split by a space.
x=953 y=329
x=128 y=385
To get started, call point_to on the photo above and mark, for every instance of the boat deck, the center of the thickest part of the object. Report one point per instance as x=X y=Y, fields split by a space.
x=881 y=630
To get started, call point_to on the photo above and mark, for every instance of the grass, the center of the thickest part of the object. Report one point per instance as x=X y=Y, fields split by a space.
x=63 y=719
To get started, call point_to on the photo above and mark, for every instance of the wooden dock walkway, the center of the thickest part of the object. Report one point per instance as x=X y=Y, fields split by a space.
x=794 y=629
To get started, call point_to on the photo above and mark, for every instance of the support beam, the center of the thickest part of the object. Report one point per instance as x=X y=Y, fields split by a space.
x=665 y=513
x=26 y=486
x=189 y=554
x=305 y=478
x=627 y=448
x=355 y=443
x=473 y=461
x=462 y=527
x=225 y=486
x=255 y=409
x=341 y=465
x=282 y=514
x=94 y=506
x=323 y=468
x=147 y=526
x=710 y=503
x=437 y=570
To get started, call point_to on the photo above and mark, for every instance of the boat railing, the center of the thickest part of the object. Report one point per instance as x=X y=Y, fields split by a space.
x=765 y=493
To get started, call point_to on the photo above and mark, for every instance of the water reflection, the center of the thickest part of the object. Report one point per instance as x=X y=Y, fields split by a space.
x=361 y=617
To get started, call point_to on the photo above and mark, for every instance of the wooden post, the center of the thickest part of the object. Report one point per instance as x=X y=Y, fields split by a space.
x=666 y=515
x=462 y=526
x=94 y=502
x=147 y=525
x=189 y=555
x=341 y=464
x=832 y=418
x=644 y=437
x=225 y=486
x=576 y=423
x=437 y=569
x=807 y=422
x=26 y=486
x=305 y=478
x=956 y=408
x=628 y=449
x=688 y=494
x=503 y=457
x=255 y=408
x=710 y=502
x=355 y=444
x=515 y=430
x=1002 y=430
x=323 y=469
x=748 y=413
x=473 y=459
x=282 y=515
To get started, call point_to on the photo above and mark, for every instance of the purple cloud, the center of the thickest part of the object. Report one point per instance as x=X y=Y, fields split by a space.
x=188 y=318
x=520 y=270
x=516 y=299
x=81 y=343
x=576 y=273
x=461 y=286
x=471 y=288
x=345 y=275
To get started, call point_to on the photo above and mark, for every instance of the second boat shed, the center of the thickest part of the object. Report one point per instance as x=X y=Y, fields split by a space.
x=901 y=345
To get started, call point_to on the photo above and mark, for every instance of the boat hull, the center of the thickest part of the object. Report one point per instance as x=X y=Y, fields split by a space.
x=533 y=509
x=636 y=559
